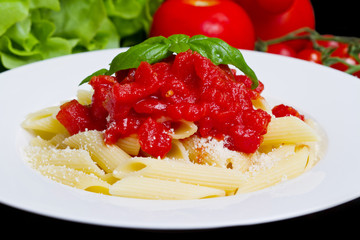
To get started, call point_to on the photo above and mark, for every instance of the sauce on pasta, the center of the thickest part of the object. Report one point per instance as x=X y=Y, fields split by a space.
x=151 y=99
x=182 y=128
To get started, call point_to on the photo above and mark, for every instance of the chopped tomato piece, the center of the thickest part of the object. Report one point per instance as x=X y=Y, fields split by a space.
x=154 y=138
x=284 y=110
x=75 y=117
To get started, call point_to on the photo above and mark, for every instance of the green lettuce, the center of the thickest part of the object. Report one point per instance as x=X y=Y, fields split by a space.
x=34 y=30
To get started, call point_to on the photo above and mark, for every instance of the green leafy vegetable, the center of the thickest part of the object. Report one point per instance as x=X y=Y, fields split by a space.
x=151 y=50
x=33 y=30
x=157 y=48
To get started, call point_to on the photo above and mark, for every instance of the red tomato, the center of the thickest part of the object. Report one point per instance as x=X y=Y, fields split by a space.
x=281 y=49
x=356 y=74
x=342 y=67
x=328 y=43
x=275 y=6
x=341 y=50
x=213 y=18
x=270 y=25
x=310 y=55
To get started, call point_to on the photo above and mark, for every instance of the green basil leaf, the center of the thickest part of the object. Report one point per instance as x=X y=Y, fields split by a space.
x=102 y=71
x=155 y=49
x=219 y=52
x=151 y=50
x=179 y=43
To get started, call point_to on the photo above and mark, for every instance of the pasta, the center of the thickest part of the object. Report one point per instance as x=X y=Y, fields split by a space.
x=286 y=164
x=194 y=168
x=184 y=129
x=129 y=144
x=44 y=122
x=289 y=130
x=160 y=140
x=75 y=178
x=178 y=151
x=213 y=152
x=143 y=187
x=84 y=96
x=108 y=157
x=73 y=158
x=197 y=174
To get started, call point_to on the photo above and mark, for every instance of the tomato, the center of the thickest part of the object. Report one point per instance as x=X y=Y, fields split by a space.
x=213 y=18
x=356 y=74
x=310 y=55
x=274 y=6
x=341 y=51
x=284 y=110
x=343 y=67
x=76 y=117
x=281 y=49
x=328 y=43
x=269 y=25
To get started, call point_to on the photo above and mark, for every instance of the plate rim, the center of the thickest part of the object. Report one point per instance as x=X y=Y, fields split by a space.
x=82 y=55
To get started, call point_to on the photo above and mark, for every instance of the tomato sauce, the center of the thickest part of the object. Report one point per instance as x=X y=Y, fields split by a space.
x=282 y=110
x=147 y=101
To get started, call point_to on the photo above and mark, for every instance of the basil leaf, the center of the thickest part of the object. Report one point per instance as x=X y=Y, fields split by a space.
x=155 y=49
x=179 y=43
x=151 y=50
x=219 y=52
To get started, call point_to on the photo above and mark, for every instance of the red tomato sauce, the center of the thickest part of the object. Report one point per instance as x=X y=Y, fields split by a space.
x=282 y=110
x=149 y=100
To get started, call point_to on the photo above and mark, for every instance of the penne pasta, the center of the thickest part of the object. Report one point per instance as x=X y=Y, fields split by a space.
x=151 y=188
x=261 y=103
x=167 y=169
x=58 y=140
x=129 y=144
x=108 y=157
x=178 y=151
x=289 y=130
x=75 y=178
x=40 y=143
x=213 y=152
x=84 y=97
x=44 y=121
x=282 y=167
x=184 y=129
x=77 y=159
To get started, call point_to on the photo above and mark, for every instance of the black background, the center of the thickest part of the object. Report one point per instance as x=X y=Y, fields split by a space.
x=339 y=18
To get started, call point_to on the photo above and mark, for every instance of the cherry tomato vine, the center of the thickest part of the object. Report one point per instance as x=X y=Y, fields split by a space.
x=339 y=52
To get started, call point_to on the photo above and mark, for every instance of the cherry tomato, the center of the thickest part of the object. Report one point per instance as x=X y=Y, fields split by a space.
x=310 y=55
x=356 y=74
x=281 y=49
x=269 y=25
x=328 y=43
x=343 y=67
x=341 y=50
x=213 y=18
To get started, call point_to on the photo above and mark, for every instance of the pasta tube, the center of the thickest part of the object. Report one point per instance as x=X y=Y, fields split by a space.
x=151 y=188
x=75 y=178
x=167 y=169
x=107 y=156
x=289 y=130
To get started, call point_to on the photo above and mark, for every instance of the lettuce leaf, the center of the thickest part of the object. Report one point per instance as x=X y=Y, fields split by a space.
x=34 y=30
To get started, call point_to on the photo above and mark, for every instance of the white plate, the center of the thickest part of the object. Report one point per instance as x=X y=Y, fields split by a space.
x=329 y=96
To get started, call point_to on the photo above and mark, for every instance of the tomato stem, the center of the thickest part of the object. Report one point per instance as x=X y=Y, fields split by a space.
x=353 y=44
